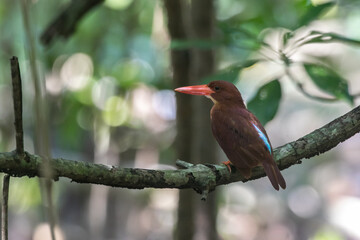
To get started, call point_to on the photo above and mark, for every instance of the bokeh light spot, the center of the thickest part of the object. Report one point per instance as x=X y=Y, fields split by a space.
x=304 y=201
x=85 y=94
x=164 y=104
x=85 y=119
x=42 y=232
x=240 y=198
x=327 y=234
x=77 y=71
x=131 y=72
x=344 y=214
x=102 y=90
x=117 y=4
x=116 y=111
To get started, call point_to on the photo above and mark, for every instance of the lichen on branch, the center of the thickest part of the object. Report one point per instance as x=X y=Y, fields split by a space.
x=201 y=177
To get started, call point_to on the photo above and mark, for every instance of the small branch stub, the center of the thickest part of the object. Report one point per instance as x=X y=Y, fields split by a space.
x=17 y=100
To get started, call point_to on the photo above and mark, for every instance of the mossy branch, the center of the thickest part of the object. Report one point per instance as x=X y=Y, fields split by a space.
x=201 y=177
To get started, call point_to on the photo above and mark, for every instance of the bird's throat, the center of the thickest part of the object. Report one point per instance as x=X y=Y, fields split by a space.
x=212 y=99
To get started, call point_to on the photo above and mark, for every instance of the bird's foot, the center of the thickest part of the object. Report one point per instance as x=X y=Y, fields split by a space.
x=228 y=164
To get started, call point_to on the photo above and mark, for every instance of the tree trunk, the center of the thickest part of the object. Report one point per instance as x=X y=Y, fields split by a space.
x=204 y=149
x=195 y=142
x=180 y=60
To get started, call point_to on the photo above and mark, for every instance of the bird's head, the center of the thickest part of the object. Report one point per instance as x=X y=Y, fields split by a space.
x=217 y=91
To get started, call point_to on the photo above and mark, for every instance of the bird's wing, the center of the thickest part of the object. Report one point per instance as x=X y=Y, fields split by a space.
x=246 y=144
x=260 y=130
x=263 y=137
x=242 y=138
x=269 y=164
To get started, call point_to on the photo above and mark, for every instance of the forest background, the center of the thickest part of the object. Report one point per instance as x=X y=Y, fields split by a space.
x=106 y=71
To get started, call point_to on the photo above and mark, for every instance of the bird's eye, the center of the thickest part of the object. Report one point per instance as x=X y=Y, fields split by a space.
x=217 y=88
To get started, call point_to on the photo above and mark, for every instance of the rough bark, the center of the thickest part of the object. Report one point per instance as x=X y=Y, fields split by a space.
x=17 y=101
x=202 y=177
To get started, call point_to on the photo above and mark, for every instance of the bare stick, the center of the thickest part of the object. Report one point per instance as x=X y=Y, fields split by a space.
x=17 y=99
x=4 y=207
x=19 y=136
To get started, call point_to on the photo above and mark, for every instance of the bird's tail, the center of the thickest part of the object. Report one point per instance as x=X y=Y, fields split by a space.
x=274 y=174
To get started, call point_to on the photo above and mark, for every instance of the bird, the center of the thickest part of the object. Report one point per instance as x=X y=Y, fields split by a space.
x=238 y=132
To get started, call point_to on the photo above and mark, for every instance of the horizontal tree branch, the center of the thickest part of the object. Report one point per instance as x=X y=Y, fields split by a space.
x=201 y=177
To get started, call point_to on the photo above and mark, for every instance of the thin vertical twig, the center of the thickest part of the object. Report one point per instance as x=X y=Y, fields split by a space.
x=19 y=137
x=4 y=207
x=17 y=100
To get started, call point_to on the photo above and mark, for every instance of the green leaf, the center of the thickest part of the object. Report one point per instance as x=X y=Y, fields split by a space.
x=243 y=34
x=240 y=38
x=340 y=38
x=230 y=73
x=266 y=101
x=250 y=27
x=319 y=37
x=313 y=12
x=329 y=81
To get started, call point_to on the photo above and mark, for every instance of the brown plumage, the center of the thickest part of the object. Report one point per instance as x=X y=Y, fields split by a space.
x=238 y=132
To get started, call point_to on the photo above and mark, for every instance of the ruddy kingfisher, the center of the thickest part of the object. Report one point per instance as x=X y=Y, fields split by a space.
x=238 y=132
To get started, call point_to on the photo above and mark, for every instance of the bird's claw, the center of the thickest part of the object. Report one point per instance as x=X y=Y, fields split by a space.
x=228 y=165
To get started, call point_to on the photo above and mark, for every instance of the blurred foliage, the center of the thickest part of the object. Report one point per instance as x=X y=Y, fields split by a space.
x=108 y=83
x=25 y=193
x=123 y=52
x=246 y=35
x=329 y=81
x=230 y=73
x=327 y=234
x=266 y=101
x=320 y=37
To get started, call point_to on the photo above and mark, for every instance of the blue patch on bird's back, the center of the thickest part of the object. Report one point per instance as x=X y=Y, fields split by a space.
x=263 y=137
